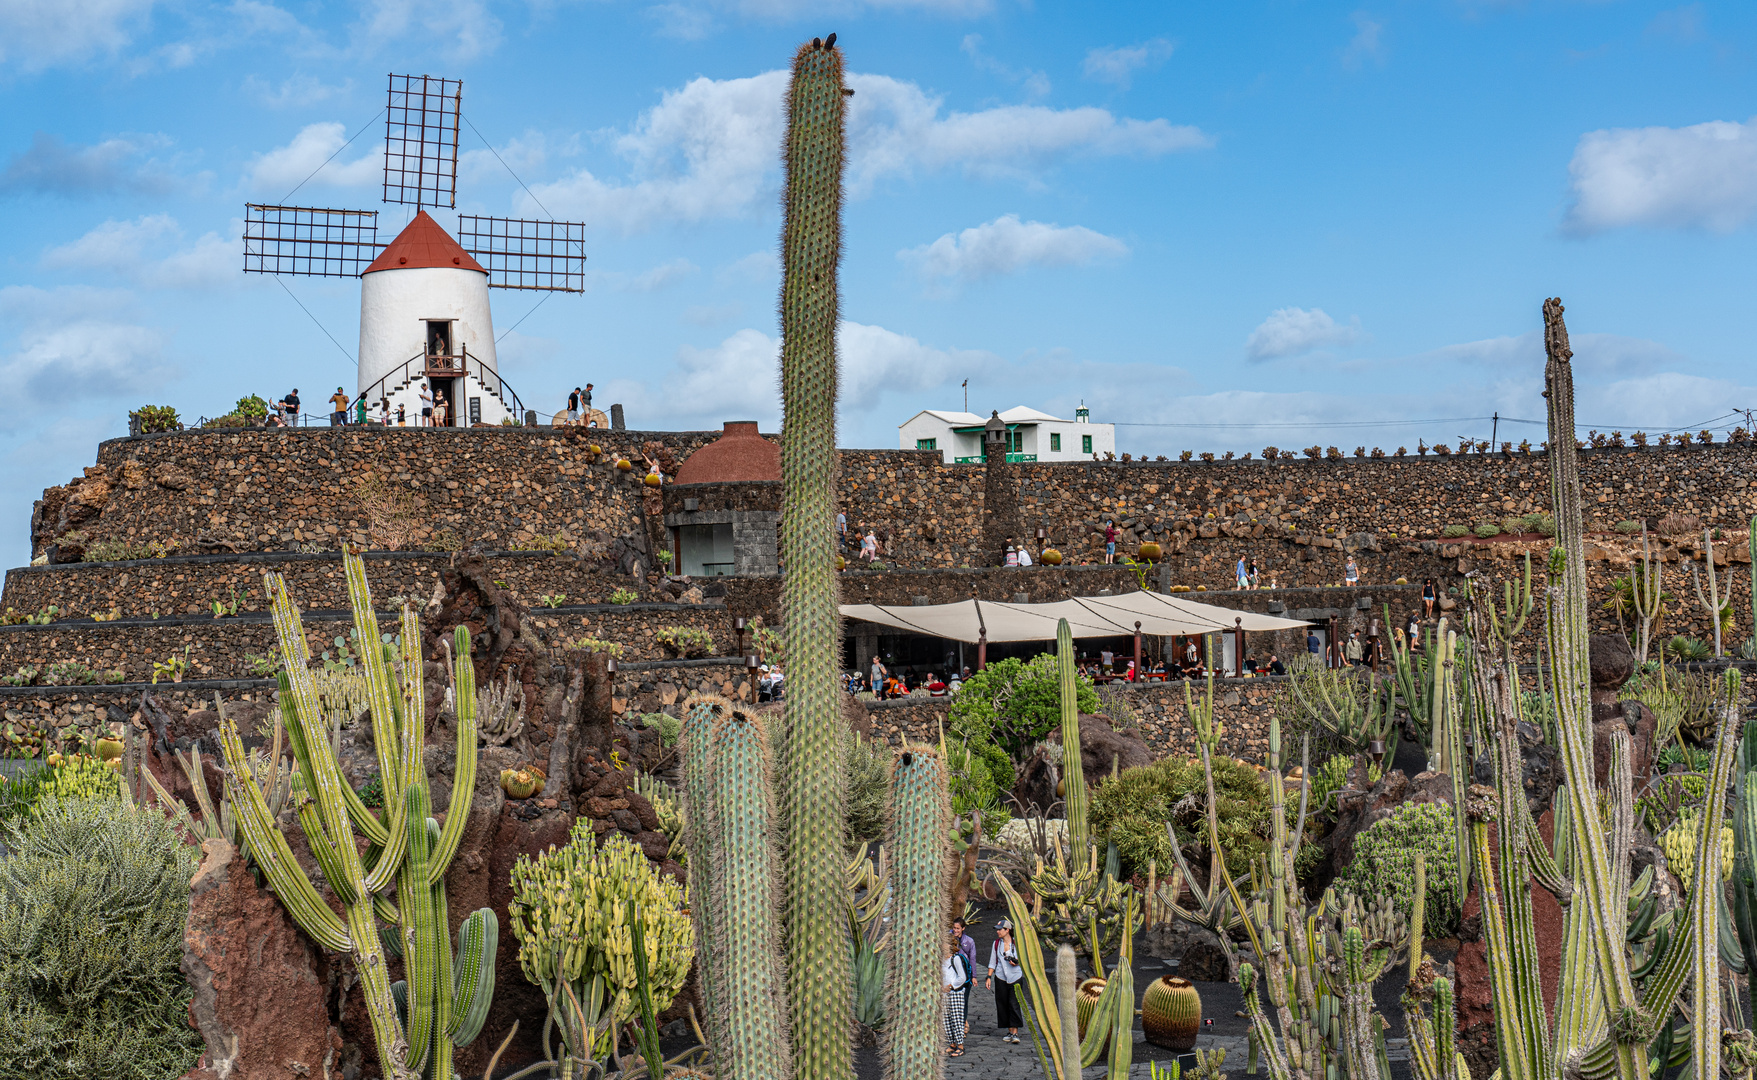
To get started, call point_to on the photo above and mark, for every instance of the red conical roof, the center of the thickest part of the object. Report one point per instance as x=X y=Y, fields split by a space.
x=423 y=243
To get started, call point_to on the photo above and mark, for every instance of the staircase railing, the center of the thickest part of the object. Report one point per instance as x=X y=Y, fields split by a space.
x=424 y=365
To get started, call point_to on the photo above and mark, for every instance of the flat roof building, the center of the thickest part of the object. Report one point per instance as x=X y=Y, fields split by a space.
x=1032 y=435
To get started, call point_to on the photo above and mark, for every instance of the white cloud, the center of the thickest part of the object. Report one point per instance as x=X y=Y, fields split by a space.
x=1117 y=64
x=711 y=315
x=708 y=150
x=296 y=91
x=1703 y=176
x=465 y=29
x=1006 y=245
x=740 y=377
x=38 y=34
x=1291 y=330
x=1368 y=42
x=1035 y=83
x=286 y=166
x=73 y=344
x=759 y=267
x=652 y=280
x=53 y=167
x=148 y=252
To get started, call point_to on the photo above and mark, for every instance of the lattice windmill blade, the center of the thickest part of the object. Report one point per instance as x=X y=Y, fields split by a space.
x=521 y=253
x=421 y=140
x=309 y=241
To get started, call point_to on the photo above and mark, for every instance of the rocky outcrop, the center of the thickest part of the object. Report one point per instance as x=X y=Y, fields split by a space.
x=260 y=1002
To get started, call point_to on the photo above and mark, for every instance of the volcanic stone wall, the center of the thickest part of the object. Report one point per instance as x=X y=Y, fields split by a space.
x=251 y=490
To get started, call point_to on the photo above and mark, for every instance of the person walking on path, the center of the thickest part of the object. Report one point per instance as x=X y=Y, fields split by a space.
x=1430 y=595
x=878 y=678
x=1356 y=655
x=586 y=398
x=966 y=945
x=955 y=979
x=573 y=406
x=1243 y=573
x=1003 y=964
x=1109 y=542
x=426 y=406
x=360 y=408
x=1351 y=573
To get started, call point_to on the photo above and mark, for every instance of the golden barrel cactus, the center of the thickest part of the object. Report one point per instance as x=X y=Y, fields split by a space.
x=1171 y=1013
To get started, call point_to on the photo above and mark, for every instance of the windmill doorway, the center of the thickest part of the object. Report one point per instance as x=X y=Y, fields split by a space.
x=444 y=369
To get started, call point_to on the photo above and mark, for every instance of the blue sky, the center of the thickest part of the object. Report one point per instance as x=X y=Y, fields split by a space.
x=1277 y=213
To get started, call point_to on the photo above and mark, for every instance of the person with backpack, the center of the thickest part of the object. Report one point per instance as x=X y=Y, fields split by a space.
x=955 y=979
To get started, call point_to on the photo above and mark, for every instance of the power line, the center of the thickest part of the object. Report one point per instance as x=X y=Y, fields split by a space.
x=515 y=176
x=332 y=157
x=1316 y=424
x=313 y=318
x=527 y=315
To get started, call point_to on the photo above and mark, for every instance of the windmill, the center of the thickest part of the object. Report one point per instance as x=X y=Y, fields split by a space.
x=425 y=321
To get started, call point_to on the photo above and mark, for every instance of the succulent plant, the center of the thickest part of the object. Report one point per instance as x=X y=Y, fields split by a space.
x=1050 y=557
x=521 y=783
x=1171 y=1013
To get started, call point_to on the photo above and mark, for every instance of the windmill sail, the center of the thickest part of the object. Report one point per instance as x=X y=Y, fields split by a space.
x=521 y=253
x=421 y=141
x=309 y=241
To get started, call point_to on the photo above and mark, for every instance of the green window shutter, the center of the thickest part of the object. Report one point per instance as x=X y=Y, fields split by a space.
x=926 y=444
x=1055 y=442
x=1085 y=444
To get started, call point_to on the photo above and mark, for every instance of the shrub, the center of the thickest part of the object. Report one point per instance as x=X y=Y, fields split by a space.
x=1688 y=649
x=1014 y=704
x=667 y=726
x=1326 y=780
x=624 y=595
x=981 y=777
x=1453 y=532
x=1186 y=455
x=868 y=790
x=686 y=641
x=1131 y=812
x=1678 y=525
x=230 y=420
x=592 y=644
x=74 y=673
x=770 y=643
x=157 y=418
x=1384 y=863
x=1270 y=453
x=1540 y=523
x=1488 y=529
x=95 y=896
x=1627 y=527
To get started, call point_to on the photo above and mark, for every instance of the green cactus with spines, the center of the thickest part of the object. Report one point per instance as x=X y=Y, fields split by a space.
x=408 y=851
x=751 y=986
x=699 y=713
x=1073 y=772
x=819 y=960
x=921 y=874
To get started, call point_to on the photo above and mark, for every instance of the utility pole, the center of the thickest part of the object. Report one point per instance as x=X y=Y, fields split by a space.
x=1495 y=436
x=966 y=395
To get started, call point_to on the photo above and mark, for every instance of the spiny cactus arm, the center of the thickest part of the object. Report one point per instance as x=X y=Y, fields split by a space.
x=921 y=875
x=1518 y=959
x=1065 y=978
x=414 y=685
x=819 y=961
x=1214 y=844
x=695 y=749
x=1073 y=772
x=1518 y=1039
x=473 y=975
x=363 y=817
x=444 y=990
x=420 y=944
x=270 y=850
x=1417 y=917
x=381 y=684
x=1744 y=884
x=1705 y=896
x=753 y=991
x=1267 y=1041
x=463 y=788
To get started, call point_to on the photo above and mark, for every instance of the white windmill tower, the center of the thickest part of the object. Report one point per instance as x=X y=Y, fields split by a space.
x=425 y=317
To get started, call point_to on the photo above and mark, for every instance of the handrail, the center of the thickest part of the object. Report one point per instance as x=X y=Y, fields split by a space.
x=484 y=372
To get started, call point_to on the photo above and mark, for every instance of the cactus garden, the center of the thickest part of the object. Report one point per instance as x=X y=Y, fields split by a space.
x=473 y=841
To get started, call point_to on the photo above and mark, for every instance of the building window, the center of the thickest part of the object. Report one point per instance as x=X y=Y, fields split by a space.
x=926 y=444
x=1055 y=442
x=1015 y=442
x=1085 y=444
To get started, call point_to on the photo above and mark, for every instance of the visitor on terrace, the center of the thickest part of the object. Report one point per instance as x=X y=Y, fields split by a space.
x=1024 y=556
x=1252 y=577
x=869 y=547
x=1351 y=573
x=1355 y=651
x=288 y=407
x=1109 y=542
x=934 y=687
x=1243 y=573
x=1275 y=665
x=1012 y=557
x=339 y=414
x=1430 y=595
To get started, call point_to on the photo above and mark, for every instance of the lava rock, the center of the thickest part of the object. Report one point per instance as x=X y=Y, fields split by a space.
x=1204 y=961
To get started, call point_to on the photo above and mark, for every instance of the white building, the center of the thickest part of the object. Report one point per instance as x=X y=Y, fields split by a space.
x=1031 y=435
x=424 y=317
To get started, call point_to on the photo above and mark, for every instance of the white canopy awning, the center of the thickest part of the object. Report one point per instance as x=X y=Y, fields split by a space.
x=1088 y=617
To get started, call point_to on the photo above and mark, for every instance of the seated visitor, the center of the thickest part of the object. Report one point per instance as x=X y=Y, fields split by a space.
x=935 y=687
x=1275 y=665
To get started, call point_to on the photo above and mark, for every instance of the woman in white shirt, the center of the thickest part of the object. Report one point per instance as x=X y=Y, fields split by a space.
x=954 y=977
x=1003 y=964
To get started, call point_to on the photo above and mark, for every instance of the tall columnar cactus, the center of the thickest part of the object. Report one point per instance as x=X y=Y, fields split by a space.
x=1073 y=771
x=921 y=873
x=447 y=993
x=1647 y=589
x=819 y=963
x=742 y=891
x=1602 y=1024
x=696 y=753
x=1711 y=601
x=1751 y=547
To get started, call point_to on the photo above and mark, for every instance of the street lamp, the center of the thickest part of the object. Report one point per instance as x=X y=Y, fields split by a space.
x=750 y=665
x=738 y=625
